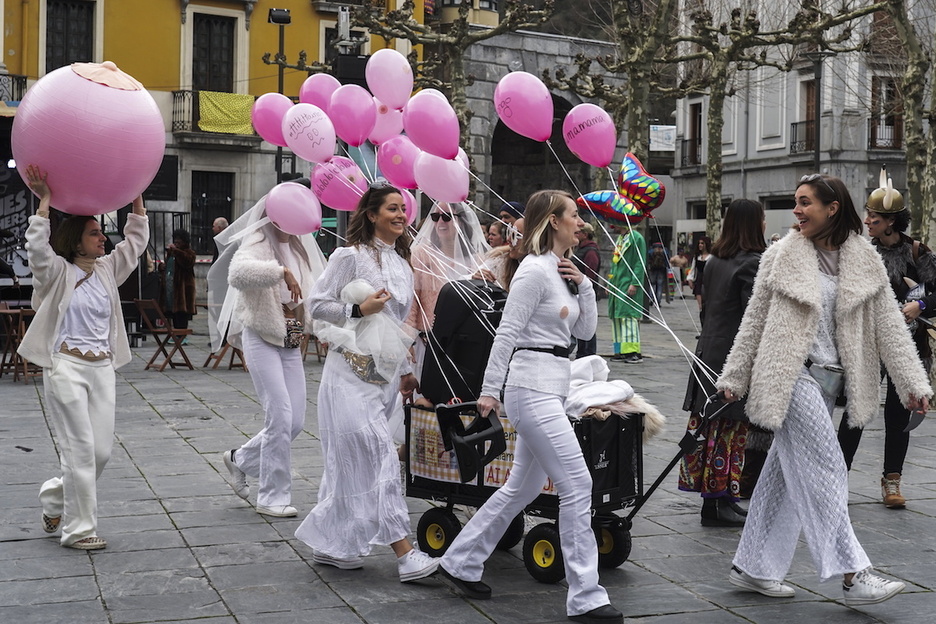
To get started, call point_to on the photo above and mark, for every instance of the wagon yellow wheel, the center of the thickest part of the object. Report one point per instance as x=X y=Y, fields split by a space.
x=436 y=531
x=542 y=554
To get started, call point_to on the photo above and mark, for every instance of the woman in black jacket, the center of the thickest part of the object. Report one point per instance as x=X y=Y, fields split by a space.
x=714 y=469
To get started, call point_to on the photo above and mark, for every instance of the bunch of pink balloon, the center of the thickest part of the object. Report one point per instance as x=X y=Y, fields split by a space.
x=525 y=106
x=294 y=209
x=309 y=132
x=589 y=133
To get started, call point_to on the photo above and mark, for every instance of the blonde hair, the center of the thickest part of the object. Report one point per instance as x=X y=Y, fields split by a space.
x=538 y=238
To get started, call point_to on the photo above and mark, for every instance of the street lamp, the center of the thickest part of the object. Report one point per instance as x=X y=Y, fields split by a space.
x=816 y=57
x=281 y=18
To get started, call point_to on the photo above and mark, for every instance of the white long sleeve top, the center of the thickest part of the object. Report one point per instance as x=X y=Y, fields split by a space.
x=381 y=267
x=540 y=312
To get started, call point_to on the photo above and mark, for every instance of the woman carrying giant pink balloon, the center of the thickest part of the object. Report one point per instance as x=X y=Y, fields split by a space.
x=360 y=503
x=78 y=337
x=269 y=274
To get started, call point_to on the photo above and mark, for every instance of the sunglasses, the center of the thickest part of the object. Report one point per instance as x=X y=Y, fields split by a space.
x=813 y=177
x=513 y=236
x=379 y=183
x=445 y=216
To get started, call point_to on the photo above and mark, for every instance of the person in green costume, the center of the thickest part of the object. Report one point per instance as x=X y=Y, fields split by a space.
x=624 y=303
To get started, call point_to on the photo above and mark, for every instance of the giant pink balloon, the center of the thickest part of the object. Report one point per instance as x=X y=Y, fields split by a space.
x=431 y=123
x=353 y=112
x=389 y=123
x=309 y=132
x=317 y=89
x=389 y=77
x=396 y=158
x=267 y=117
x=339 y=183
x=98 y=135
x=524 y=104
x=442 y=179
x=294 y=209
x=589 y=133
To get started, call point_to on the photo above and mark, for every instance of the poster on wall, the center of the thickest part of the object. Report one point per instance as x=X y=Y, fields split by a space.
x=15 y=208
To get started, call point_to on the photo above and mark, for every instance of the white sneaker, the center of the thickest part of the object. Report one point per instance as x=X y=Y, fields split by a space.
x=278 y=511
x=774 y=589
x=868 y=588
x=416 y=565
x=354 y=563
x=238 y=476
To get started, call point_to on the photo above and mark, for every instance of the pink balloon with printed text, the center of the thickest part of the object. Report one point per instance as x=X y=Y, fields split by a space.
x=267 y=117
x=396 y=158
x=442 y=179
x=317 y=89
x=525 y=106
x=309 y=133
x=353 y=112
x=431 y=123
x=589 y=133
x=389 y=77
x=339 y=183
x=389 y=123
x=294 y=209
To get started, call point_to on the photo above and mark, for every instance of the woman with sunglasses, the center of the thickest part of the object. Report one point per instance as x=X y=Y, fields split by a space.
x=360 y=503
x=549 y=300
x=820 y=320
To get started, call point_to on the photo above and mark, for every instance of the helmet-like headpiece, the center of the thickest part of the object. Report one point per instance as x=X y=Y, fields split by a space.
x=885 y=199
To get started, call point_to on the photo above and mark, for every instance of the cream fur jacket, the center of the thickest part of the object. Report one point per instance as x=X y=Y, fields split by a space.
x=257 y=274
x=782 y=318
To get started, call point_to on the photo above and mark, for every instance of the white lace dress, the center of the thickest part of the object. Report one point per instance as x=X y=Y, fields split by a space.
x=360 y=502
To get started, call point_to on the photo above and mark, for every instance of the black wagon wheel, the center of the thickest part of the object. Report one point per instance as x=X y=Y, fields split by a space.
x=614 y=545
x=542 y=554
x=513 y=534
x=436 y=531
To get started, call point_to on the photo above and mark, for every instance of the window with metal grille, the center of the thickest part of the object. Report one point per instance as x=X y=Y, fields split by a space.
x=69 y=33
x=213 y=53
x=212 y=197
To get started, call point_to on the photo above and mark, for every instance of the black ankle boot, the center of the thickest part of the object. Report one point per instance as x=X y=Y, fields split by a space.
x=720 y=512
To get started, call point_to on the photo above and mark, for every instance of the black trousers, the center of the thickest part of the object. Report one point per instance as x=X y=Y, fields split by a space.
x=896 y=417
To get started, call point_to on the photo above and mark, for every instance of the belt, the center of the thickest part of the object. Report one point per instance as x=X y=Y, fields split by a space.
x=562 y=352
x=88 y=357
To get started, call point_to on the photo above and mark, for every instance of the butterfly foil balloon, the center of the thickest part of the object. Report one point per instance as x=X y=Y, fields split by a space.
x=637 y=194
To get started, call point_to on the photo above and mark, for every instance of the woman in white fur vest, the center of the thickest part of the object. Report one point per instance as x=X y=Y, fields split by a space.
x=271 y=272
x=821 y=319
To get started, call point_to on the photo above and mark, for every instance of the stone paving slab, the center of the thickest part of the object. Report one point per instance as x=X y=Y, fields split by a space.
x=183 y=548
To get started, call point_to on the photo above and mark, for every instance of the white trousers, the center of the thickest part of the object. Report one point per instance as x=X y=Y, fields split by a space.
x=279 y=379
x=546 y=447
x=80 y=396
x=802 y=488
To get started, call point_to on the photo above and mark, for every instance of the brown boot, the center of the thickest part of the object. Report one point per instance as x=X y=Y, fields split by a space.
x=890 y=487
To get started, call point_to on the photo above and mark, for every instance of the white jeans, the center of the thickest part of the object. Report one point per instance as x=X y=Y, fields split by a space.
x=279 y=379
x=80 y=396
x=546 y=446
x=803 y=487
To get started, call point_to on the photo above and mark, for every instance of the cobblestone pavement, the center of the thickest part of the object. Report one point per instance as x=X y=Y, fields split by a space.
x=183 y=548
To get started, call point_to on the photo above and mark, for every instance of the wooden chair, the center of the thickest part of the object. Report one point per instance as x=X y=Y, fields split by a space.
x=321 y=350
x=164 y=334
x=21 y=366
x=235 y=352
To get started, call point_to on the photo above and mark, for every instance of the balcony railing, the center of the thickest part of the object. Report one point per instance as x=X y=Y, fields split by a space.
x=691 y=152
x=186 y=114
x=12 y=87
x=803 y=137
x=885 y=133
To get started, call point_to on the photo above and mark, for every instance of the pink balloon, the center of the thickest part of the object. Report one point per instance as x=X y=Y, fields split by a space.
x=589 y=133
x=309 y=133
x=524 y=104
x=462 y=157
x=412 y=209
x=389 y=123
x=100 y=146
x=317 y=89
x=353 y=112
x=431 y=123
x=396 y=158
x=267 y=117
x=441 y=179
x=294 y=209
x=389 y=77
x=339 y=183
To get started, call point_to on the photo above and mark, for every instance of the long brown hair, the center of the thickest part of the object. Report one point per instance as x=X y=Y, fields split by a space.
x=542 y=204
x=845 y=220
x=742 y=229
x=68 y=235
x=361 y=230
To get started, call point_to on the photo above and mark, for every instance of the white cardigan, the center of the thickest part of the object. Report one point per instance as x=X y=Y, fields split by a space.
x=54 y=284
x=781 y=321
x=256 y=274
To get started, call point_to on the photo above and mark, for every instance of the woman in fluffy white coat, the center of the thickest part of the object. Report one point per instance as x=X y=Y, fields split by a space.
x=272 y=272
x=821 y=304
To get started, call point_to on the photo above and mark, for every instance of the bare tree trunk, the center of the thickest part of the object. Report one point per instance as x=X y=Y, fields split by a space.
x=713 y=162
x=638 y=115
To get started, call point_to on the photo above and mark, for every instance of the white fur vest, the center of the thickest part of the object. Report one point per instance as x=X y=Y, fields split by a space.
x=782 y=318
x=257 y=275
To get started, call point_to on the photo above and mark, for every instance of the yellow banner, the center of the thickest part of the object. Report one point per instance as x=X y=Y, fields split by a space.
x=228 y=113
